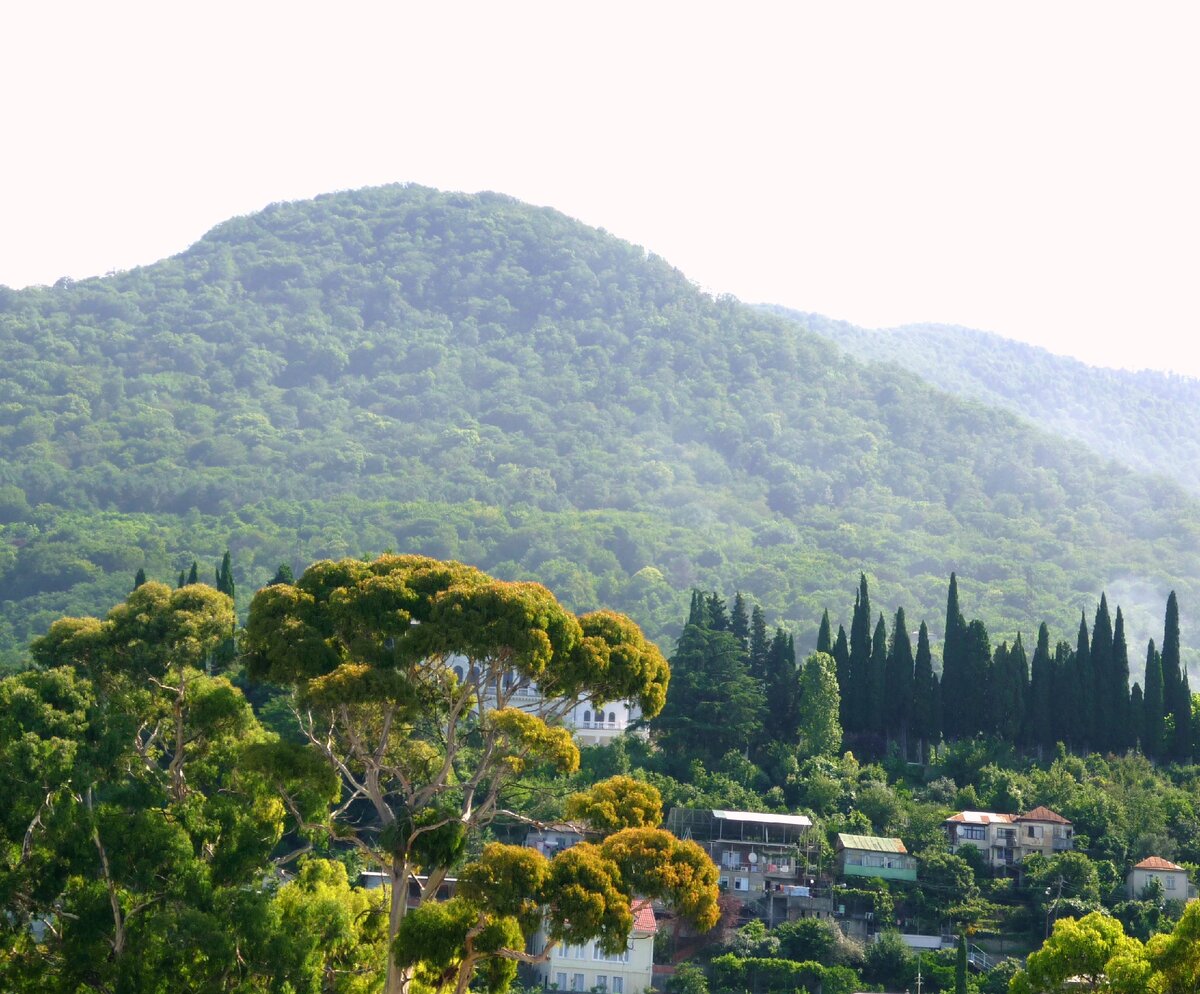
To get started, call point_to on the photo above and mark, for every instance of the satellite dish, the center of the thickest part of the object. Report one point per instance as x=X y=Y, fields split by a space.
x=754 y=857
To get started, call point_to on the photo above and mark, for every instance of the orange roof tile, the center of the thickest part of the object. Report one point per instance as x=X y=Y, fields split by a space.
x=643 y=917
x=1043 y=813
x=1156 y=863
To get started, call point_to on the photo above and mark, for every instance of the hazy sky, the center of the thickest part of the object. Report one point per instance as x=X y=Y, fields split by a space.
x=1026 y=168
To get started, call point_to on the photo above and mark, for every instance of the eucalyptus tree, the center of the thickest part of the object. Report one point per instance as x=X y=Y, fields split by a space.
x=427 y=687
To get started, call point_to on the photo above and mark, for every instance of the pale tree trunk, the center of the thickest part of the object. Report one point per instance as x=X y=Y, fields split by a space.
x=397 y=980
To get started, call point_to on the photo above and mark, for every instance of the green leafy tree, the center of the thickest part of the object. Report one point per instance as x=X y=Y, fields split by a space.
x=406 y=671
x=1079 y=952
x=817 y=718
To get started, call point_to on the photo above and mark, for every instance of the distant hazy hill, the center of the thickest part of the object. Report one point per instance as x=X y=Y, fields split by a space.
x=1147 y=420
x=477 y=378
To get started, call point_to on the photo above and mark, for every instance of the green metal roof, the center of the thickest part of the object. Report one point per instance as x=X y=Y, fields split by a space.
x=871 y=843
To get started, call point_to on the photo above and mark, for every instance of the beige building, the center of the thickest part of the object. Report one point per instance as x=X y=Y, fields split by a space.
x=1005 y=840
x=1174 y=879
x=589 y=968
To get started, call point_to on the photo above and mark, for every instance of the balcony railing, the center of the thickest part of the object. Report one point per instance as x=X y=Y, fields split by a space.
x=1061 y=843
x=599 y=725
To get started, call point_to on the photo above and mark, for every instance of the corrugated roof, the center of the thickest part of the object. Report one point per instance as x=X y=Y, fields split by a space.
x=981 y=818
x=1156 y=863
x=643 y=917
x=798 y=821
x=871 y=843
x=1043 y=813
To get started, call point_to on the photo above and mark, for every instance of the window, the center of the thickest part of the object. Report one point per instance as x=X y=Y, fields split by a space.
x=618 y=985
x=560 y=981
x=972 y=832
x=601 y=981
x=612 y=717
x=576 y=981
x=741 y=883
x=1171 y=882
x=587 y=716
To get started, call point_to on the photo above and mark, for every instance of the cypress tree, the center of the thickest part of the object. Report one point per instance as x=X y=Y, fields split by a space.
x=1038 y=725
x=857 y=695
x=139 y=578
x=194 y=573
x=225 y=582
x=1153 y=704
x=954 y=689
x=739 y=621
x=780 y=687
x=1100 y=733
x=182 y=579
x=960 y=966
x=758 y=644
x=1009 y=689
x=925 y=693
x=875 y=685
x=1177 y=697
x=976 y=664
x=841 y=659
x=1124 y=729
x=1137 y=713
x=1082 y=689
x=898 y=680
x=1062 y=681
x=698 y=611
x=825 y=635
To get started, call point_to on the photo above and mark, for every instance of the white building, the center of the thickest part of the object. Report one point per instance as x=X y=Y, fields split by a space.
x=1173 y=878
x=588 y=968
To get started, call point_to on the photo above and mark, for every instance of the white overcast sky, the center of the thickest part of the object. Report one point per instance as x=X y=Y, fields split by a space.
x=1025 y=168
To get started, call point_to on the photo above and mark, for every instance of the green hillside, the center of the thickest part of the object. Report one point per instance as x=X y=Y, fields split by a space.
x=1148 y=420
x=469 y=376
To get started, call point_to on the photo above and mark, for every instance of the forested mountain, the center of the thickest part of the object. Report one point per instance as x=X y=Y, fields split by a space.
x=1148 y=420
x=471 y=377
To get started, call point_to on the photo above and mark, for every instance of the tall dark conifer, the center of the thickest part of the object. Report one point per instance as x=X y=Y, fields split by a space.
x=1124 y=727
x=1009 y=689
x=875 y=684
x=718 y=616
x=971 y=699
x=860 y=659
x=841 y=659
x=1083 y=688
x=1177 y=698
x=1137 y=713
x=225 y=583
x=1153 y=704
x=697 y=611
x=954 y=689
x=1100 y=734
x=1062 y=679
x=1038 y=725
x=758 y=644
x=781 y=686
x=825 y=635
x=194 y=573
x=898 y=681
x=139 y=578
x=739 y=622
x=925 y=723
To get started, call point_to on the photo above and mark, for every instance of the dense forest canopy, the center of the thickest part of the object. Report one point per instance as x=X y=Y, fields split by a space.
x=1146 y=419
x=471 y=377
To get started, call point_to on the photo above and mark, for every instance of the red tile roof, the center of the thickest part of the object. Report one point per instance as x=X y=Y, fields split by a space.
x=1156 y=863
x=643 y=917
x=1043 y=813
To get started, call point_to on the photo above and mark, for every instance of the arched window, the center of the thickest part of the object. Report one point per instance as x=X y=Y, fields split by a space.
x=587 y=716
x=458 y=672
x=612 y=717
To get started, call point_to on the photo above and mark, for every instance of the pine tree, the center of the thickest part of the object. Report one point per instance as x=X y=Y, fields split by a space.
x=898 y=681
x=954 y=689
x=925 y=693
x=875 y=684
x=739 y=622
x=1153 y=704
x=1100 y=732
x=758 y=644
x=718 y=616
x=139 y=578
x=1124 y=730
x=856 y=694
x=825 y=635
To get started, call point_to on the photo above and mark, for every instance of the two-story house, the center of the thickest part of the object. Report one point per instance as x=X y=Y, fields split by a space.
x=589 y=968
x=872 y=856
x=1172 y=878
x=1005 y=840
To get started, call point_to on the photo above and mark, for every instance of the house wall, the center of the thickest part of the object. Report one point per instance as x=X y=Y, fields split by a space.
x=1174 y=882
x=586 y=968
